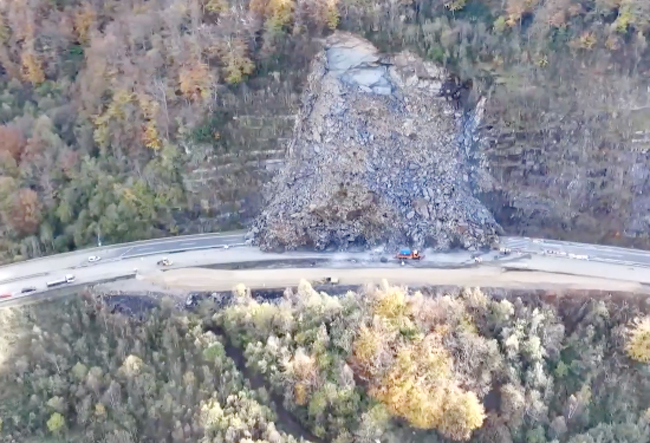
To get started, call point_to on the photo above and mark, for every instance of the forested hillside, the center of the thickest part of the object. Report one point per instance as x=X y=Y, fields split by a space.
x=378 y=364
x=107 y=105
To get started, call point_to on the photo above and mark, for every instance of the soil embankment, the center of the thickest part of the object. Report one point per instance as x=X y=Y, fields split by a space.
x=197 y=279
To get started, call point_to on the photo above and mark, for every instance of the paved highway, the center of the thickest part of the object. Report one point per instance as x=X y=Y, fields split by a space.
x=216 y=256
x=579 y=251
x=194 y=243
x=79 y=259
x=223 y=249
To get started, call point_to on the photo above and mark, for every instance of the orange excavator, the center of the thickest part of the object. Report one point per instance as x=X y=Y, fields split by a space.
x=408 y=254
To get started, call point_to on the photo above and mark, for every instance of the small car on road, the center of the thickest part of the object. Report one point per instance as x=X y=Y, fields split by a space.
x=164 y=262
x=94 y=258
x=28 y=290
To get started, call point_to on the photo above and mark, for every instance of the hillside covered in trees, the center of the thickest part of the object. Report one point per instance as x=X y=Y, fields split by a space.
x=380 y=364
x=107 y=106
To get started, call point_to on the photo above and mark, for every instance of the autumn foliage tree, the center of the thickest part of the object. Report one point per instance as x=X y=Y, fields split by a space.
x=278 y=14
x=237 y=64
x=25 y=216
x=195 y=80
x=312 y=353
x=32 y=67
x=417 y=382
x=12 y=141
x=638 y=344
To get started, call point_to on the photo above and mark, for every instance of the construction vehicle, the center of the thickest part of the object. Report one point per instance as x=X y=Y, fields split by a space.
x=408 y=254
x=165 y=262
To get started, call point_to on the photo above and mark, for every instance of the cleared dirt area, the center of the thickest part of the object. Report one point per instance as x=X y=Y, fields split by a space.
x=199 y=279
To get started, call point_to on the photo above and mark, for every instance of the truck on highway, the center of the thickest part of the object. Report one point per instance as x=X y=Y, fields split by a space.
x=67 y=279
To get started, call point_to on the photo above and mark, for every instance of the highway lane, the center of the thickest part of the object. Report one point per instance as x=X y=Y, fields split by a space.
x=182 y=244
x=583 y=251
x=213 y=257
x=359 y=265
x=49 y=266
x=79 y=259
x=209 y=249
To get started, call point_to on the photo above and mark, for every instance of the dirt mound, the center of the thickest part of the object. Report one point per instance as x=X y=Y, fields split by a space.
x=375 y=158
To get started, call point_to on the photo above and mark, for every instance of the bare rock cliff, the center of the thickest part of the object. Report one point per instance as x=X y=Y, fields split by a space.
x=375 y=158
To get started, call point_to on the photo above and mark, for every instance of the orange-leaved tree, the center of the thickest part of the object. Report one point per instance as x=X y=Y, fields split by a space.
x=12 y=141
x=25 y=214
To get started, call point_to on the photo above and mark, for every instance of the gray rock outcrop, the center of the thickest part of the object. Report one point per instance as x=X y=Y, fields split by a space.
x=375 y=158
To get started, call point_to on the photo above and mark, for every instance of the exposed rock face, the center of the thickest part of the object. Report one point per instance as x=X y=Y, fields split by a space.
x=375 y=158
x=570 y=155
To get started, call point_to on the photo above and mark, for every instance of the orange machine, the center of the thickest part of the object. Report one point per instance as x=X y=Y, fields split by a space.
x=408 y=254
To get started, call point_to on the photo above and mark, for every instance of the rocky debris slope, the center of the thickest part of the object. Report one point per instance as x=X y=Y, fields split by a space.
x=375 y=157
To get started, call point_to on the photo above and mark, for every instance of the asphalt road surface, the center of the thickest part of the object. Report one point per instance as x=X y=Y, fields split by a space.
x=580 y=251
x=194 y=243
x=551 y=257
x=43 y=266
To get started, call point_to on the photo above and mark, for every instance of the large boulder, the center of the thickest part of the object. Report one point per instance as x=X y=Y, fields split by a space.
x=375 y=158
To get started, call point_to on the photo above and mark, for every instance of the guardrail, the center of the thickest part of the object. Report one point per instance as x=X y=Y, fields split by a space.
x=178 y=250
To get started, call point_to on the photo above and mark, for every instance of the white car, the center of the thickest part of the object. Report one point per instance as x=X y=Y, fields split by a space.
x=69 y=278
x=165 y=262
x=94 y=258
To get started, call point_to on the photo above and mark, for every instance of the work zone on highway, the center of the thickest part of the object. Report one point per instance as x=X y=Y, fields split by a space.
x=199 y=279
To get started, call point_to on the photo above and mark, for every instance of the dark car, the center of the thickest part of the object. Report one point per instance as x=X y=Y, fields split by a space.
x=28 y=290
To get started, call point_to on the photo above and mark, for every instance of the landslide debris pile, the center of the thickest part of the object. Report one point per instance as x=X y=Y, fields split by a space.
x=375 y=158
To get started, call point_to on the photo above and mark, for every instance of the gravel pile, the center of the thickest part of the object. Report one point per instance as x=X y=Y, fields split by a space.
x=375 y=158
